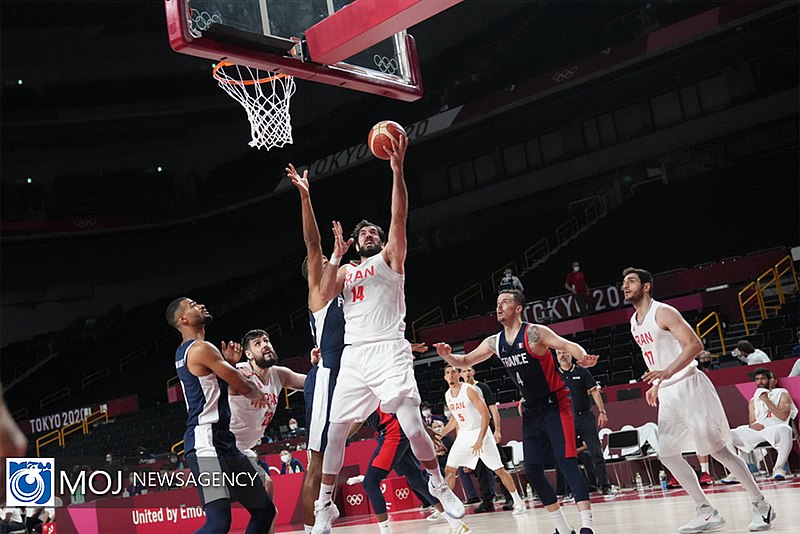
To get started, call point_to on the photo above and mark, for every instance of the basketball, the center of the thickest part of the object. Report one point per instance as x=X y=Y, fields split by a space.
x=381 y=136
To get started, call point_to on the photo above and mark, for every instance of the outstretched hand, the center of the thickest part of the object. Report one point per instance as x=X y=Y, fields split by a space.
x=340 y=246
x=419 y=347
x=589 y=360
x=301 y=182
x=232 y=352
x=443 y=349
x=397 y=153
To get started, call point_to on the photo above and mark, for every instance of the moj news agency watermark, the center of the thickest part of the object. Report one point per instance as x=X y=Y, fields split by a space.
x=35 y=481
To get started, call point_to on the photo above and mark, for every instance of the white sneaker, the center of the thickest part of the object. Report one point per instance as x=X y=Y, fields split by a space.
x=780 y=474
x=763 y=515
x=435 y=516
x=707 y=518
x=518 y=509
x=452 y=504
x=324 y=515
x=729 y=479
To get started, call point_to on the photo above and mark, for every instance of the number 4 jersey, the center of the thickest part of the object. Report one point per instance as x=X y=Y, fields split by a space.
x=247 y=421
x=374 y=302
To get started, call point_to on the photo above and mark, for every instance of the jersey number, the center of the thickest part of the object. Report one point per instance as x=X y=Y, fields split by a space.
x=267 y=419
x=461 y=417
x=648 y=355
x=519 y=380
x=358 y=293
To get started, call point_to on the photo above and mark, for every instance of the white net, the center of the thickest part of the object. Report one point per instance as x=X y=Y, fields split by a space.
x=265 y=96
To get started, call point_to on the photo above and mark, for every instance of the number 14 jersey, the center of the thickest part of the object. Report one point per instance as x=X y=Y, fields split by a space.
x=374 y=302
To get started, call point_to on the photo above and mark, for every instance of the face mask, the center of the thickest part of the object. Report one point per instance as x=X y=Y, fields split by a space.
x=576 y=269
x=426 y=413
x=447 y=414
x=293 y=427
x=736 y=353
x=286 y=458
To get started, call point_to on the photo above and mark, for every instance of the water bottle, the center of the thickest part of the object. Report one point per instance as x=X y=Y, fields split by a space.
x=529 y=491
x=639 y=484
x=662 y=478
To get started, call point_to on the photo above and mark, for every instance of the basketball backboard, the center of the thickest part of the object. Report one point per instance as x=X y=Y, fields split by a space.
x=304 y=38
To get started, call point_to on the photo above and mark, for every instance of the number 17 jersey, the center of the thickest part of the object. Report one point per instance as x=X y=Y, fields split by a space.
x=374 y=302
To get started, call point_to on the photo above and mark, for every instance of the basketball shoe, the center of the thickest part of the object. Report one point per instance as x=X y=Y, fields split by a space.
x=763 y=515
x=452 y=505
x=324 y=515
x=707 y=518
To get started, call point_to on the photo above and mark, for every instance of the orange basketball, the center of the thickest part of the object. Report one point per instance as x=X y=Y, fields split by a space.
x=381 y=137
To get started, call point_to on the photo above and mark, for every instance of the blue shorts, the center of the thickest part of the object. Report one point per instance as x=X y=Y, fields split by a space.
x=318 y=393
x=548 y=433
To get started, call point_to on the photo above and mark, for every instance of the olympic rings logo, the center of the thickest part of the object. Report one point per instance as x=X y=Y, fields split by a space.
x=401 y=493
x=355 y=500
x=385 y=64
x=564 y=75
x=85 y=223
x=202 y=21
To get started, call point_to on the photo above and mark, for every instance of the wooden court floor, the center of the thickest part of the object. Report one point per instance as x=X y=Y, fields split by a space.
x=652 y=511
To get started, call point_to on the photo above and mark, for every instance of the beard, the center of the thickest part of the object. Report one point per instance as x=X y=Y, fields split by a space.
x=265 y=362
x=205 y=319
x=369 y=252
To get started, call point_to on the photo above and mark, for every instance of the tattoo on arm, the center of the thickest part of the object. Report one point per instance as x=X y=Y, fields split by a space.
x=492 y=341
x=533 y=334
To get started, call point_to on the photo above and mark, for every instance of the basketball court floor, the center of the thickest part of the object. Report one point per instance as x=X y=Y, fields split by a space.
x=652 y=511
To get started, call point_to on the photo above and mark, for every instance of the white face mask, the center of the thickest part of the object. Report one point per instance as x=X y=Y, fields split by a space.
x=293 y=426
x=447 y=414
x=576 y=268
x=286 y=458
x=426 y=413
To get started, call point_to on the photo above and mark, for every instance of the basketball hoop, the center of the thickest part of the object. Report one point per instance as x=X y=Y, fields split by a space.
x=265 y=96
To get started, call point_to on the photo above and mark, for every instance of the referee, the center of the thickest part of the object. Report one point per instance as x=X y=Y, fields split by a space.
x=581 y=383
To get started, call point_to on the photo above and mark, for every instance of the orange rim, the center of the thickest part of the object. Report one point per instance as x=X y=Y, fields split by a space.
x=221 y=64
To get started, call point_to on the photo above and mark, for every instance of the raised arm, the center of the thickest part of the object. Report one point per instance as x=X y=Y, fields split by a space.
x=332 y=281
x=311 y=237
x=483 y=352
x=289 y=378
x=669 y=319
x=396 y=241
x=544 y=337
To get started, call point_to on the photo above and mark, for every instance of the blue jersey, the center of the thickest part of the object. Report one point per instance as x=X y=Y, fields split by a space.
x=536 y=376
x=327 y=327
x=209 y=415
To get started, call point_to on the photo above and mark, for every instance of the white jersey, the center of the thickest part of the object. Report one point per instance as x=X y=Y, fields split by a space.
x=659 y=347
x=461 y=407
x=374 y=302
x=247 y=421
x=761 y=410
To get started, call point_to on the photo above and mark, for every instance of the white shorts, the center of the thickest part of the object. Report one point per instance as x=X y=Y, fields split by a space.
x=461 y=452
x=691 y=417
x=372 y=375
x=746 y=439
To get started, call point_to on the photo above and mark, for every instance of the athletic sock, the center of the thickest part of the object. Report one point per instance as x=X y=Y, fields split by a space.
x=560 y=522
x=436 y=475
x=586 y=519
x=384 y=528
x=515 y=496
x=704 y=467
x=325 y=492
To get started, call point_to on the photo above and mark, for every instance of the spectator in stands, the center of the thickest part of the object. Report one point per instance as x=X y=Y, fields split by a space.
x=576 y=284
x=427 y=414
x=174 y=462
x=509 y=281
x=705 y=362
x=748 y=354
x=295 y=430
x=10 y=520
x=135 y=487
x=290 y=464
x=36 y=517
x=581 y=385
x=770 y=411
